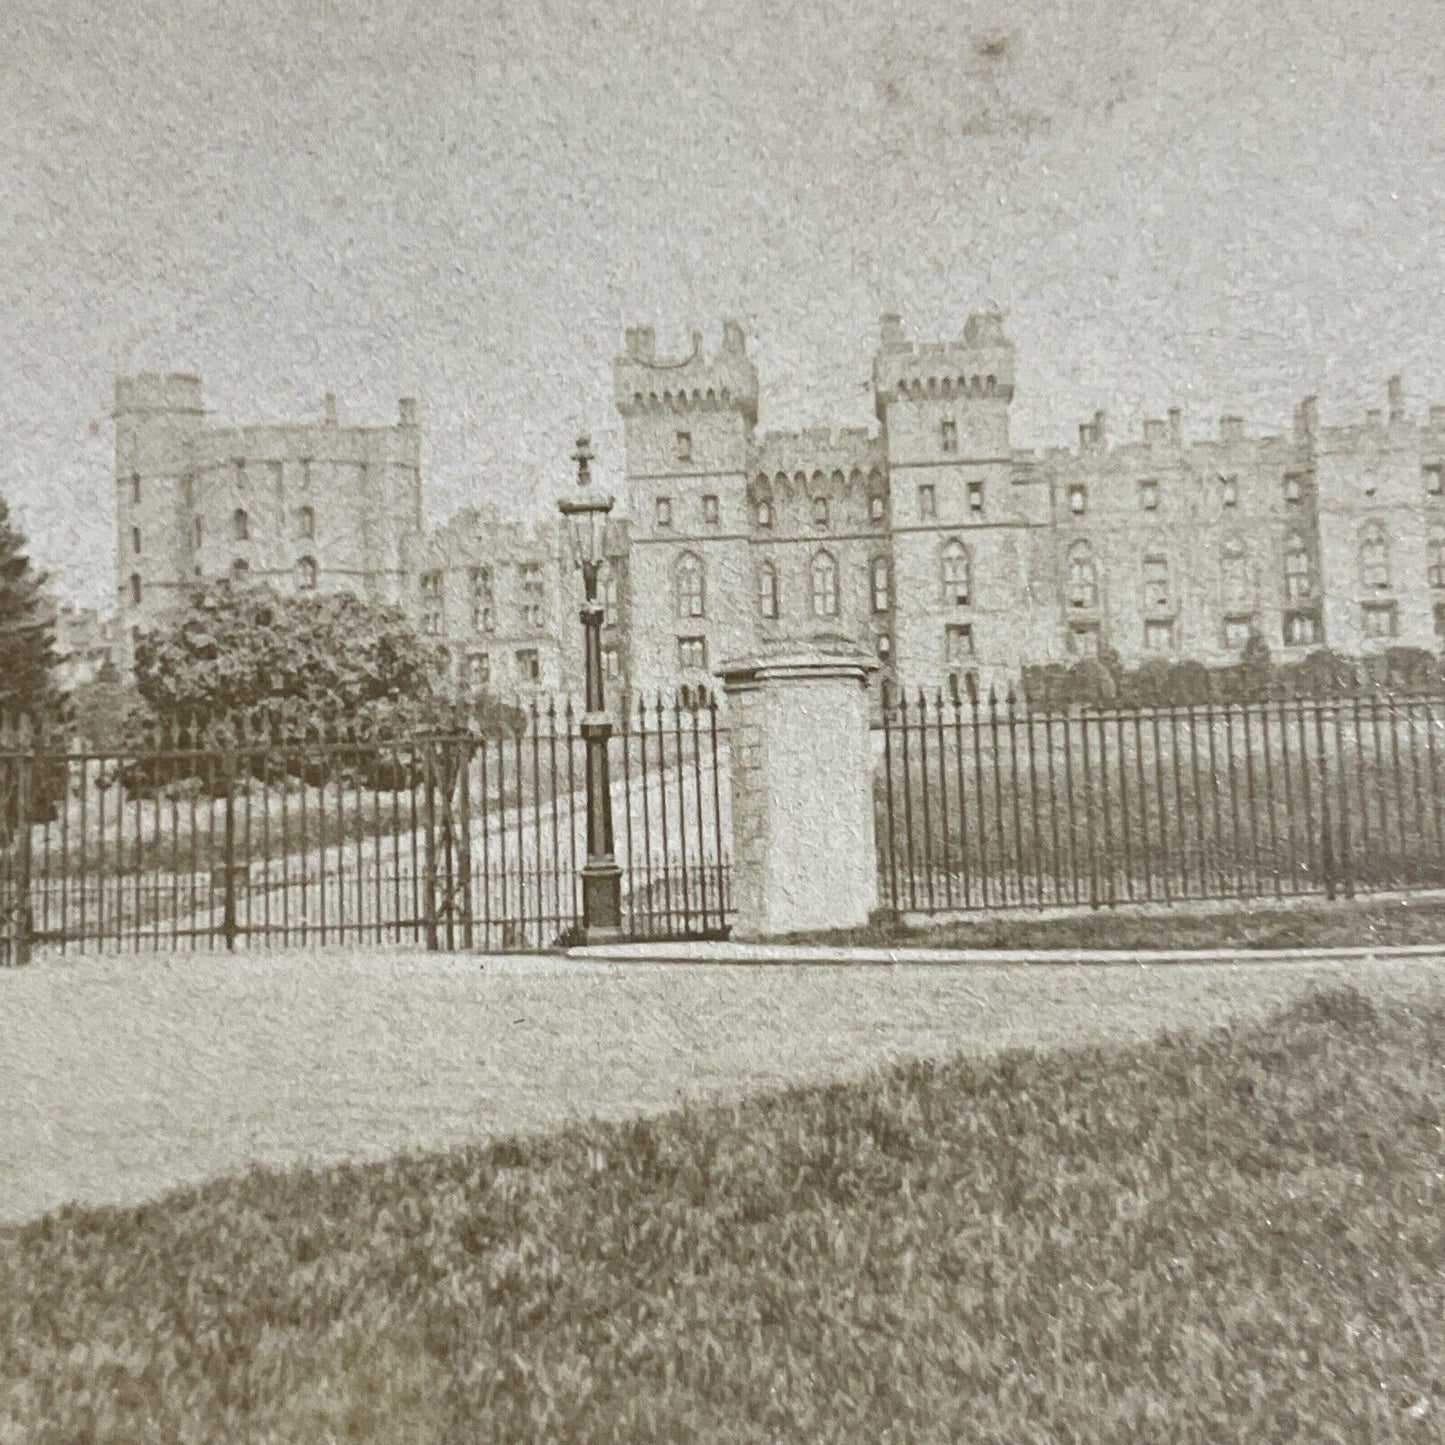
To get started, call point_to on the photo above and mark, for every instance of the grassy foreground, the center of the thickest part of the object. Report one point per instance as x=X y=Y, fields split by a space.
x=1375 y=923
x=1231 y=1237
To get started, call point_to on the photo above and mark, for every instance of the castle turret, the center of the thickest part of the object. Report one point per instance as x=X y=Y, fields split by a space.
x=963 y=544
x=689 y=422
x=157 y=419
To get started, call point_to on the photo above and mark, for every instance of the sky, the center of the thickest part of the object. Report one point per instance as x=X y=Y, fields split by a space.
x=1223 y=206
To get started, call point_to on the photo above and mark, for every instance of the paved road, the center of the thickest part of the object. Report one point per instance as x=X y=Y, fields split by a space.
x=123 y=1077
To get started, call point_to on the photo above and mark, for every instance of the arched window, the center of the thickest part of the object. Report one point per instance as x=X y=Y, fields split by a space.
x=306 y=574
x=1435 y=559
x=484 y=617
x=767 y=590
x=306 y=520
x=1083 y=578
x=956 y=568
x=1236 y=587
x=691 y=598
x=1297 y=584
x=764 y=512
x=240 y=525
x=135 y=589
x=240 y=568
x=1374 y=559
x=824 y=577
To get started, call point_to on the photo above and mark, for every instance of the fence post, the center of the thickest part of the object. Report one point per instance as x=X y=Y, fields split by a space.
x=801 y=777
x=228 y=914
x=19 y=922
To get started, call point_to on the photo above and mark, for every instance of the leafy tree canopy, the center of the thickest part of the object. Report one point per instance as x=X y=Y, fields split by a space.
x=319 y=657
x=27 y=633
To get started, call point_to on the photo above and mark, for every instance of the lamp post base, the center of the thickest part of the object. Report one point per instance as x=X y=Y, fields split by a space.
x=601 y=901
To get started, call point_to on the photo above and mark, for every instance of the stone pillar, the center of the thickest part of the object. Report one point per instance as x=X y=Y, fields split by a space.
x=801 y=776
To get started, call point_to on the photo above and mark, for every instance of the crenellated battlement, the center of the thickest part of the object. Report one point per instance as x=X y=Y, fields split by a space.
x=819 y=449
x=727 y=381
x=980 y=364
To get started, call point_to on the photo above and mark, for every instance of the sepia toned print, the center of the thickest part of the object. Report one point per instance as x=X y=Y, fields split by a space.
x=721 y=723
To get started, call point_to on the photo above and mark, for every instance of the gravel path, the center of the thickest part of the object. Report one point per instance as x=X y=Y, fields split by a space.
x=122 y=1078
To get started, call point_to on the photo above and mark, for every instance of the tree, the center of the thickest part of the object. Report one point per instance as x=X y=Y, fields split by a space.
x=317 y=658
x=27 y=633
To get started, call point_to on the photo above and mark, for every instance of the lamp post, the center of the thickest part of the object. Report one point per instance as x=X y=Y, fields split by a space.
x=586 y=513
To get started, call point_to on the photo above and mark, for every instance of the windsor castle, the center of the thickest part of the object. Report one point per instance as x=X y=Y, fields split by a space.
x=929 y=541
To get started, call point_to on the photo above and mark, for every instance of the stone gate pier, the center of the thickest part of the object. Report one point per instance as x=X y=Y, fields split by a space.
x=801 y=776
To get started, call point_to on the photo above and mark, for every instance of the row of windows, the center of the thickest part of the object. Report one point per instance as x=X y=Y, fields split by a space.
x=241 y=527
x=532 y=606
x=306 y=573
x=763 y=513
x=476 y=667
x=690 y=586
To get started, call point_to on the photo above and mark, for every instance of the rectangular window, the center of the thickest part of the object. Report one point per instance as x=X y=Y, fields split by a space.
x=1084 y=641
x=1440 y=619
x=1293 y=488
x=533 y=594
x=529 y=665
x=664 y=513
x=927 y=502
x=1078 y=499
x=1379 y=621
x=875 y=508
x=484 y=617
x=1236 y=632
x=612 y=660
x=1434 y=479
x=692 y=653
x=975 y=496
x=1149 y=496
x=1158 y=637
x=479 y=669
x=431 y=603
x=1156 y=583
x=948 y=435
x=135 y=540
x=820 y=511
x=1228 y=491
x=1301 y=629
x=958 y=642
x=198 y=533
x=684 y=446
x=765 y=513
x=135 y=489
x=881 y=589
x=709 y=511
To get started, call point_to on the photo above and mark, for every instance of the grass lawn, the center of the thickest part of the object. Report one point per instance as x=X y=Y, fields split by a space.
x=1375 y=923
x=1226 y=1236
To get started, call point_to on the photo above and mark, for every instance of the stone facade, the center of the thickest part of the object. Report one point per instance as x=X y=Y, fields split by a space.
x=958 y=560
x=298 y=505
x=504 y=598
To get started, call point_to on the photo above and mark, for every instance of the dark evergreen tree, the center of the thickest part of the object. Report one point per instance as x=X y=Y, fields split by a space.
x=27 y=632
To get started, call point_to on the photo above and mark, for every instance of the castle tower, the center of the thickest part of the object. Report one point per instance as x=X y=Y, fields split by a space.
x=157 y=421
x=689 y=425
x=964 y=531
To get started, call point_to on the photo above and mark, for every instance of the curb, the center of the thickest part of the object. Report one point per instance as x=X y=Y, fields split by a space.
x=776 y=954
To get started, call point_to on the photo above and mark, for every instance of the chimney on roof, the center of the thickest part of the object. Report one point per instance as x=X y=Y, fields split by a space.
x=1231 y=429
x=330 y=408
x=1155 y=430
x=890 y=332
x=406 y=411
x=1397 y=399
x=1306 y=419
x=733 y=338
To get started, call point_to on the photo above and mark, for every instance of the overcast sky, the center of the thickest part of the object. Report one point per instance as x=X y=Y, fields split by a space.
x=1223 y=205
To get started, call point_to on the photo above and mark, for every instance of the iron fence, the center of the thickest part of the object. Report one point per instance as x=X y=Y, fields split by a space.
x=984 y=804
x=268 y=836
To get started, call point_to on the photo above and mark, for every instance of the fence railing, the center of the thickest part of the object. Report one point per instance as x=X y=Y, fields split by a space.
x=984 y=804
x=274 y=837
